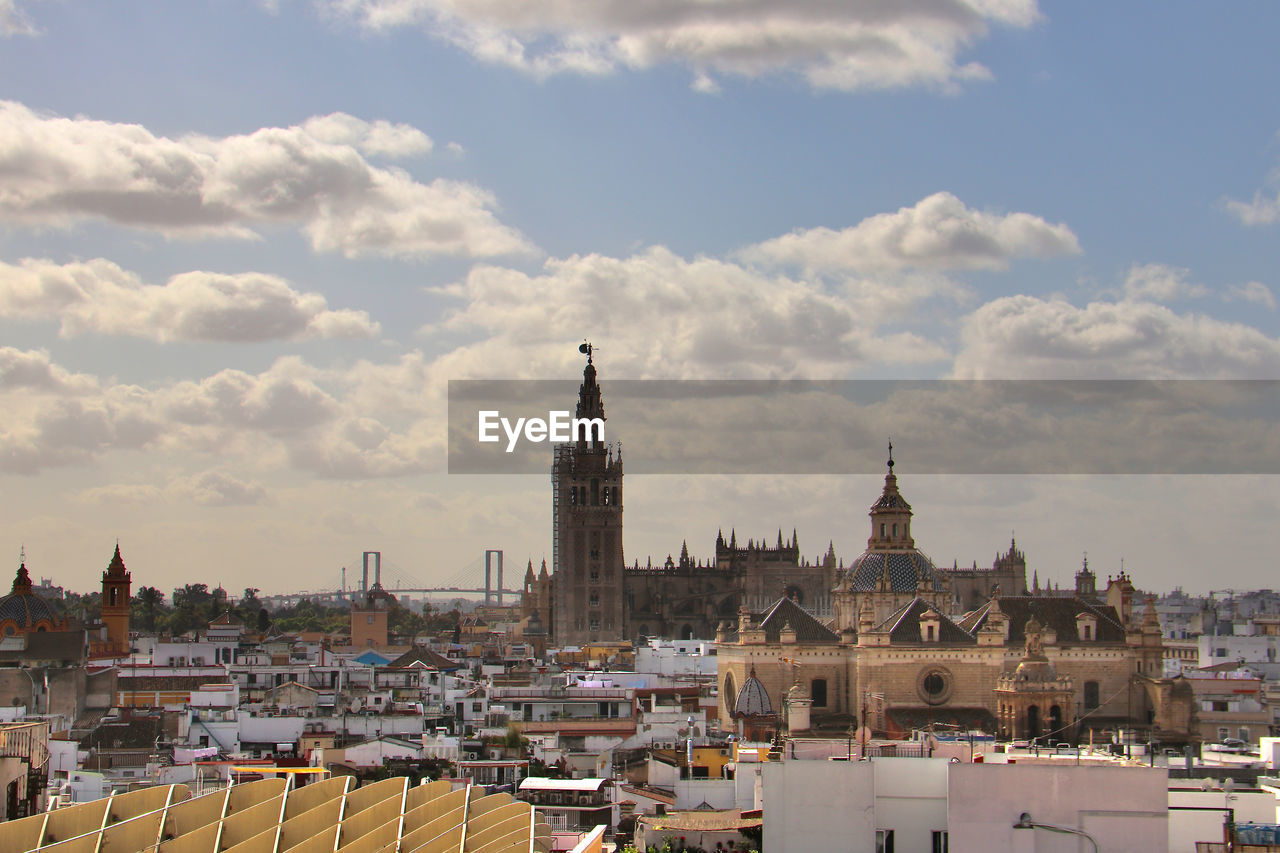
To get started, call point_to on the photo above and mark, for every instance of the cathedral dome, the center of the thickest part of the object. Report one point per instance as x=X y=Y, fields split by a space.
x=891 y=562
x=753 y=699
x=906 y=568
x=22 y=611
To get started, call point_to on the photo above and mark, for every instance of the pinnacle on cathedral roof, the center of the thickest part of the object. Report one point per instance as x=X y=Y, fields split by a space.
x=891 y=498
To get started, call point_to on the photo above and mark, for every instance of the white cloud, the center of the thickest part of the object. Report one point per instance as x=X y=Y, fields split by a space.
x=850 y=45
x=99 y=296
x=1019 y=337
x=938 y=232
x=208 y=488
x=1255 y=292
x=13 y=21
x=32 y=370
x=367 y=420
x=376 y=138
x=660 y=315
x=1263 y=210
x=219 y=488
x=1161 y=283
x=313 y=176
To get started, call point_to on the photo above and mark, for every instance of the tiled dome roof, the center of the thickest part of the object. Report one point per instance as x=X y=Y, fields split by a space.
x=753 y=699
x=906 y=569
x=25 y=607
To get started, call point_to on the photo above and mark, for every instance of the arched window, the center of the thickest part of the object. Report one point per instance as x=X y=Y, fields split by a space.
x=882 y=530
x=895 y=531
x=595 y=492
x=730 y=692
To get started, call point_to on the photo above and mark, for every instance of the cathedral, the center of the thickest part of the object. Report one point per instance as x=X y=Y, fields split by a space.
x=899 y=656
x=888 y=642
x=590 y=594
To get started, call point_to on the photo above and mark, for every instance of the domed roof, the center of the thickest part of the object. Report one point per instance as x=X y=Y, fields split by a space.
x=753 y=699
x=24 y=607
x=906 y=569
x=890 y=550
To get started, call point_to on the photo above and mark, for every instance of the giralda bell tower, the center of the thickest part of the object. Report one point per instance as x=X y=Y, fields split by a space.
x=586 y=521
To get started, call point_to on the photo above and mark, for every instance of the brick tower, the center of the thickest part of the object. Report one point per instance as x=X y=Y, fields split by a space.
x=586 y=483
x=115 y=604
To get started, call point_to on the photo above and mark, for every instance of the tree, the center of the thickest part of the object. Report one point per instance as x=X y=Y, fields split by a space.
x=264 y=620
x=151 y=600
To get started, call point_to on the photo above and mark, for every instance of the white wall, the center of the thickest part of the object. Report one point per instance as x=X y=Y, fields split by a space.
x=717 y=793
x=911 y=799
x=819 y=806
x=1187 y=827
x=1123 y=808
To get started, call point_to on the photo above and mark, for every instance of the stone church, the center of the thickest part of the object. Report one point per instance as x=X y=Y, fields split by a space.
x=590 y=594
x=897 y=657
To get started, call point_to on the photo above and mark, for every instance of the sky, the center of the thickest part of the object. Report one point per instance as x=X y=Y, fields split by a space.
x=244 y=246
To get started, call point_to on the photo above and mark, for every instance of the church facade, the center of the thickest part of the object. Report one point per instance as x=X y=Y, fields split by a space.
x=897 y=657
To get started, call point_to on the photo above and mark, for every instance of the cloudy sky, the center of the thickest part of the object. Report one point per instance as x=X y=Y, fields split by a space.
x=245 y=245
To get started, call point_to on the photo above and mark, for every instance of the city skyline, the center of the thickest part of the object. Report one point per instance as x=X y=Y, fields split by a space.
x=244 y=247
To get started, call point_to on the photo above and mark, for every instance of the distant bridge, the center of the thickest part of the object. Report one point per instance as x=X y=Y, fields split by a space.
x=482 y=576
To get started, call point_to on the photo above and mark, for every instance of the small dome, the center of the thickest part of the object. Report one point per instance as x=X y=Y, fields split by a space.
x=753 y=699
x=22 y=610
x=1035 y=670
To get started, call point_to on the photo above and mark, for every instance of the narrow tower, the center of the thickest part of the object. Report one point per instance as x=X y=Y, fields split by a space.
x=586 y=484
x=115 y=604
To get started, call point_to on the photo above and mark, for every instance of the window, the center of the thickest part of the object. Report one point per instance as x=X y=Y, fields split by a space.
x=882 y=530
x=1088 y=632
x=939 y=841
x=884 y=841
x=595 y=624
x=819 y=692
x=1243 y=734
x=1223 y=733
x=595 y=599
x=1090 y=695
x=368 y=620
x=930 y=633
x=476 y=707
x=1218 y=705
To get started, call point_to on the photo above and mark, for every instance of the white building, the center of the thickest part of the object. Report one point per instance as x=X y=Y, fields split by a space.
x=930 y=804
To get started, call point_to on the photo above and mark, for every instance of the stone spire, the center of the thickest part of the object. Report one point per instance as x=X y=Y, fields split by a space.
x=590 y=402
